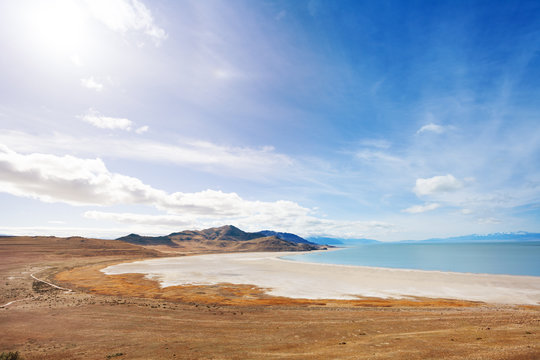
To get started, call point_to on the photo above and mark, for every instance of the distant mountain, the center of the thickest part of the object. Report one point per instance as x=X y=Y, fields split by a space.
x=147 y=240
x=325 y=240
x=495 y=237
x=223 y=233
x=340 y=241
x=225 y=238
x=285 y=236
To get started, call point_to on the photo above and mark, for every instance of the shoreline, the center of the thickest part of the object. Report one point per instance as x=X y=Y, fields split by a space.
x=431 y=268
x=391 y=268
x=305 y=280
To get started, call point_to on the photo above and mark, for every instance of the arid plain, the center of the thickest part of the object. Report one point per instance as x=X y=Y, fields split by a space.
x=128 y=317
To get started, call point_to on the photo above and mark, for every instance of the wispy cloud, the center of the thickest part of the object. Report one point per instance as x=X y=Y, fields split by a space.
x=431 y=127
x=235 y=77
x=127 y=15
x=370 y=155
x=416 y=209
x=92 y=84
x=489 y=221
x=94 y=118
x=301 y=224
x=142 y=129
x=376 y=143
x=241 y=162
x=77 y=181
x=143 y=219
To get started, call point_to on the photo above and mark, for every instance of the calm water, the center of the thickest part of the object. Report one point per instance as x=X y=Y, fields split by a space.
x=514 y=258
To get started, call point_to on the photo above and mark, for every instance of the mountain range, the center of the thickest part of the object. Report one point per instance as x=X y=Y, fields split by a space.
x=495 y=237
x=224 y=238
x=340 y=241
x=473 y=238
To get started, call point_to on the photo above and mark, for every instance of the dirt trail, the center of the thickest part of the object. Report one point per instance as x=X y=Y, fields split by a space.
x=50 y=284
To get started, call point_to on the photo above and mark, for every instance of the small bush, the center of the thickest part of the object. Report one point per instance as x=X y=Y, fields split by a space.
x=111 y=355
x=10 y=356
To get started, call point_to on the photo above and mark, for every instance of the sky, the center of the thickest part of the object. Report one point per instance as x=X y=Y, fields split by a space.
x=390 y=120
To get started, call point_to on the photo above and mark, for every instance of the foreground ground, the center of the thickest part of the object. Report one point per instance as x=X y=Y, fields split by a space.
x=126 y=317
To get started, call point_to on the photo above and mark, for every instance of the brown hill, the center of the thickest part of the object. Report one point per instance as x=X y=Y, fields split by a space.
x=223 y=233
x=23 y=249
x=225 y=238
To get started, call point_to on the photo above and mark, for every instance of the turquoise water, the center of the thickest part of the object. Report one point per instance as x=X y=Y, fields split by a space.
x=513 y=258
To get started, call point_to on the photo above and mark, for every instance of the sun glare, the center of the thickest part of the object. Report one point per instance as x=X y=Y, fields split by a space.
x=58 y=27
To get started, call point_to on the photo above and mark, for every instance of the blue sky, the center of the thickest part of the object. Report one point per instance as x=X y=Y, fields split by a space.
x=389 y=120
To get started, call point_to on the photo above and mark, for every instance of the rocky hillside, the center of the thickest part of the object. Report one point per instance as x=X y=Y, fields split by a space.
x=286 y=236
x=225 y=238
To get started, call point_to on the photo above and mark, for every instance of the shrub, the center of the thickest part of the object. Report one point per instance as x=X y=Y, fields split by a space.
x=10 y=356
x=111 y=355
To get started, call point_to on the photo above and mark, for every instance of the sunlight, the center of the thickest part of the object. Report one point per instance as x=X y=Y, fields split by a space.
x=58 y=27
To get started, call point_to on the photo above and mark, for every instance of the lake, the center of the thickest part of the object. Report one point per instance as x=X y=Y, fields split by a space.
x=512 y=258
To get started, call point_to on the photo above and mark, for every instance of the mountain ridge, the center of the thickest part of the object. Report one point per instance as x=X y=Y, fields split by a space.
x=286 y=236
x=471 y=238
x=340 y=241
x=492 y=237
x=222 y=238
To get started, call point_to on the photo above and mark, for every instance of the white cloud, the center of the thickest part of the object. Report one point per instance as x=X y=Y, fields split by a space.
x=69 y=179
x=370 y=155
x=128 y=218
x=105 y=122
x=466 y=211
x=142 y=129
x=437 y=185
x=127 y=15
x=92 y=84
x=489 y=221
x=431 y=127
x=303 y=225
x=416 y=209
x=77 y=181
x=234 y=161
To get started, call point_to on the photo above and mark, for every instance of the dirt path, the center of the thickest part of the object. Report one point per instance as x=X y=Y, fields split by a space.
x=11 y=302
x=39 y=280
x=50 y=284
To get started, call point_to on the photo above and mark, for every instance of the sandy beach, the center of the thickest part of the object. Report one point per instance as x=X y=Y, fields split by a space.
x=323 y=281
